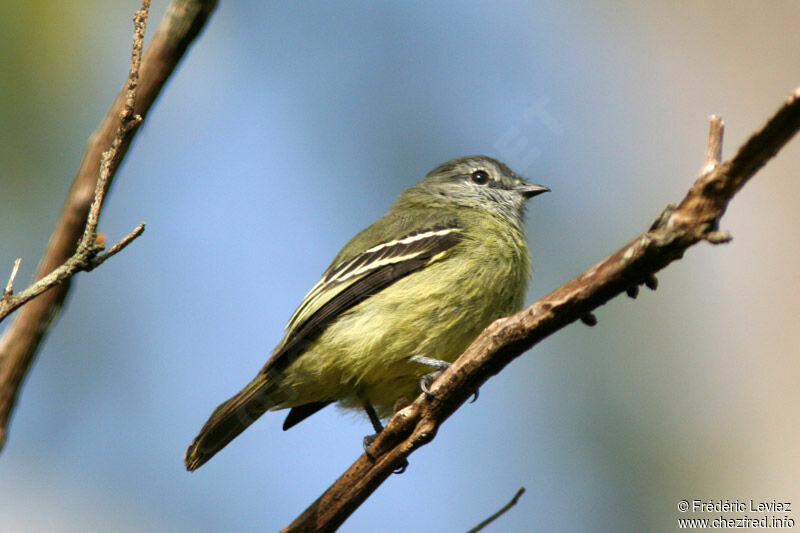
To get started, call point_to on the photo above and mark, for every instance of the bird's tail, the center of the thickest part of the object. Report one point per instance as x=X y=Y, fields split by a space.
x=229 y=419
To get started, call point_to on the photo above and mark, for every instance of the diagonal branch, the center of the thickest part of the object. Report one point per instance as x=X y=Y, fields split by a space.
x=499 y=513
x=695 y=219
x=181 y=25
x=86 y=256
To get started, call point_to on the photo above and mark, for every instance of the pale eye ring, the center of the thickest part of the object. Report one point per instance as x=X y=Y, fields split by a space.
x=480 y=177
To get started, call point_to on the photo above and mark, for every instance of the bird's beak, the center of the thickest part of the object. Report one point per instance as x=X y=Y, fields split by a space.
x=530 y=190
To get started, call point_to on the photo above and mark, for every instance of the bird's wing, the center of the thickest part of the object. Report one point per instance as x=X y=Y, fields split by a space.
x=353 y=280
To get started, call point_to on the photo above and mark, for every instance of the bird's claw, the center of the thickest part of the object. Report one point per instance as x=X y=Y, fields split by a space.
x=402 y=468
x=369 y=440
x=474 y=396
x=427 y=380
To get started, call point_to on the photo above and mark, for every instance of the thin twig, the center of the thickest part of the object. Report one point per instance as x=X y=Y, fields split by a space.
x=148 y=74
x=9 y=290
x=716 y=129
x=84 y=258
x=499 y=513
x=695 y=219
x=125 y=241
x=128 y=123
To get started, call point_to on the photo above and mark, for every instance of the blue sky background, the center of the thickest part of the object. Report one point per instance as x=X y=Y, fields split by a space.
x=291 y=126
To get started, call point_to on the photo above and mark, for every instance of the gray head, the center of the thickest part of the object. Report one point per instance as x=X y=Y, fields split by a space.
x=482 y=182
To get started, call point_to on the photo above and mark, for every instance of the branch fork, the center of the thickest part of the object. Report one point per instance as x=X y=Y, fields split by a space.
x=75 y=244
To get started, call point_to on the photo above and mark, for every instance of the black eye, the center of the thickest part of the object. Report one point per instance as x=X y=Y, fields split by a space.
x=481 y=177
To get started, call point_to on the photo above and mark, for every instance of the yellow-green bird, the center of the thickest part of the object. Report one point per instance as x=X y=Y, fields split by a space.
x=408 y=293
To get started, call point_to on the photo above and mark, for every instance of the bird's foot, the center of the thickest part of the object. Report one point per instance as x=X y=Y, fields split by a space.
x=427 y=380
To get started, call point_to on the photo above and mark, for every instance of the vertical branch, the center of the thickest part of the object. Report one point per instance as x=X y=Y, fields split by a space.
x=181 y=25
x=716 y=128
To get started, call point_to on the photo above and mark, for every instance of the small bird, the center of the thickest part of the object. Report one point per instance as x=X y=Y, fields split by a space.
x=408 y=293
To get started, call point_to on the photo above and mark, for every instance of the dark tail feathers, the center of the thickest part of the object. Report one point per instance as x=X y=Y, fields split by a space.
x=228 y=420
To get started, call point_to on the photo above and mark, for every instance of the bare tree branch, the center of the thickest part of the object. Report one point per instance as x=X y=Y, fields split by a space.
x=9 y=290
x=499 y=513
x=695 y=219
x=714 y=148
x=121 y=245
x=181 y=25
x=85 y=257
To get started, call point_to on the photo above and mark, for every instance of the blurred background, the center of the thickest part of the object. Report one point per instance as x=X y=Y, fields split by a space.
x=291 y=126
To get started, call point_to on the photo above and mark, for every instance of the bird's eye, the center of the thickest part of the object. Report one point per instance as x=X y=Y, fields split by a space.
x=481 y=177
